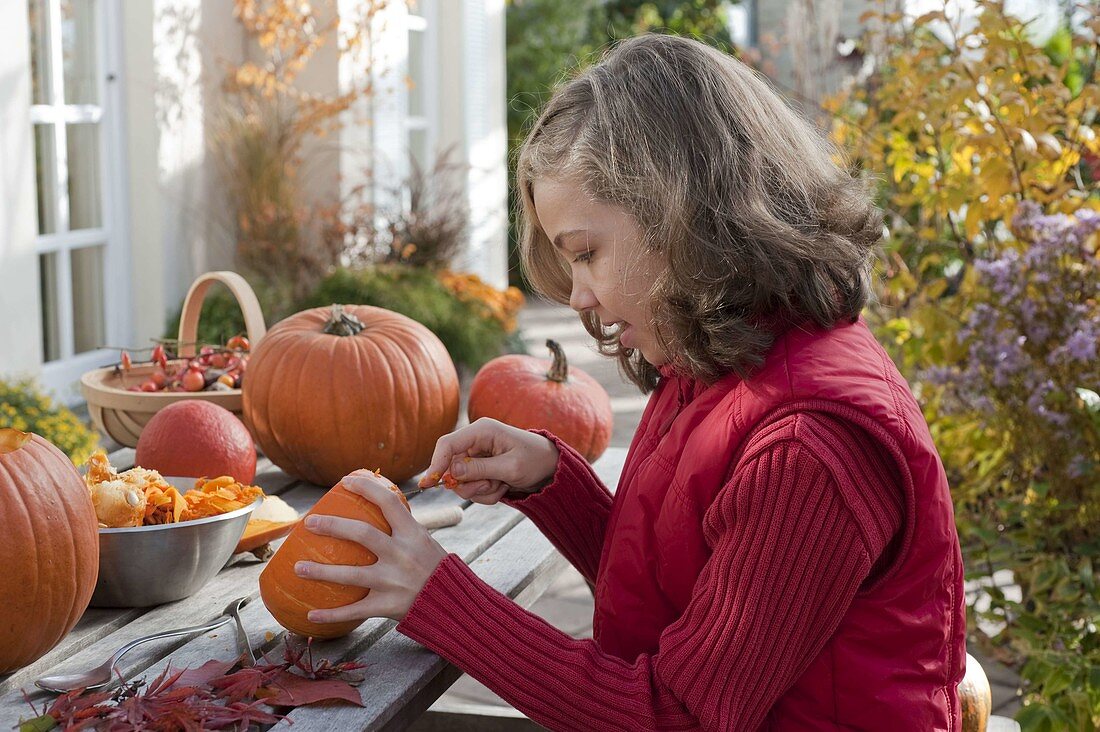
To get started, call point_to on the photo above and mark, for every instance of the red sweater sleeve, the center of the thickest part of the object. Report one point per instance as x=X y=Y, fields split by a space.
x=572 y=510
x=788 y=557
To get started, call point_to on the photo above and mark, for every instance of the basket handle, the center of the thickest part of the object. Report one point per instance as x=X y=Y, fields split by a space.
x=192 y=307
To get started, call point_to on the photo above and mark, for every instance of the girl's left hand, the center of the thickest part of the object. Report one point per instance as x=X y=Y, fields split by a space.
x=406 y=558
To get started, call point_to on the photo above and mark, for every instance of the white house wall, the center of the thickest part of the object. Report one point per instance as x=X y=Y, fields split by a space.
x=20 y=327
x=179 y=224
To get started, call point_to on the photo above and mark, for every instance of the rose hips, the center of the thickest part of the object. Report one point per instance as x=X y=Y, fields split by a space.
x=237 y=343
x=193 y=380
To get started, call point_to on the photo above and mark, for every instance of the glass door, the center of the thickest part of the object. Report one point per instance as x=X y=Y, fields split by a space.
x=83 y=277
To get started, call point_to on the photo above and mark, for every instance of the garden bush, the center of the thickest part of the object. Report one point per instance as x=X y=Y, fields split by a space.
x=981 y=141
x=23 y=406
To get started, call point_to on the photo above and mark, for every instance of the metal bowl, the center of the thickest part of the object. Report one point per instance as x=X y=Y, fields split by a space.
x=149 y=565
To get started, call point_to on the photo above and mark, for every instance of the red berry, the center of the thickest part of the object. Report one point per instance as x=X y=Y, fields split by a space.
x=193 y=380
x=237 y=343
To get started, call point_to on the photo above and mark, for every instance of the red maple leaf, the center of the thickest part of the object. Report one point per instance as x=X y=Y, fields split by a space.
x=207 y=697
x=291 y=690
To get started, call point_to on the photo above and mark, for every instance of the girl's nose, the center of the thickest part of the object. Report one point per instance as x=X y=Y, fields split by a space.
x=581 y=297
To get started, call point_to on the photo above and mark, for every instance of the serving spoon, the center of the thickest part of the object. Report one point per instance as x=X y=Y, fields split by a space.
x=102 y=675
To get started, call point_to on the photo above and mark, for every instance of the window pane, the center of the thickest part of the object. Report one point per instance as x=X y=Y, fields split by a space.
x=45 y=167
x=416 y=73
x=418 y=149
x=47 y=286
x=89 y=323
x=85 y=197
x=78 y=51
x=40 y=52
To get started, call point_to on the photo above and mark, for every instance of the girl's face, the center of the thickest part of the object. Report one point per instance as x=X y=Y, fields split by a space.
x=612 y=270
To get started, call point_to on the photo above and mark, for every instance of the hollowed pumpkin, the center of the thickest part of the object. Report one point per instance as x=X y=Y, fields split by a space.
x=50 y=546
x=332 y=389
x=532 y=393
x=289 y=598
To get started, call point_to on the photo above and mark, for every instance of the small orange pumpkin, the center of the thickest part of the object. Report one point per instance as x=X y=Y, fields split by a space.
x=332 y=389
x=50 y=546
x=532 y=393
x=975 y=697
x=289 y=598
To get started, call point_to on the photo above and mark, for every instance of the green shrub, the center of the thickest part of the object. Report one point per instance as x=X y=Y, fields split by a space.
x=24 y=407
x=470 y=337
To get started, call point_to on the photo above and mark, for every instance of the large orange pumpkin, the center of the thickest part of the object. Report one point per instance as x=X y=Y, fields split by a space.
x=532 y=393
x=975 y=697
x=331 y=390
x=289 y=598
x=50 y=545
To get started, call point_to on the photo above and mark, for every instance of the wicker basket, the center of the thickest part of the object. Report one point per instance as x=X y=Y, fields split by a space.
x=122 y=414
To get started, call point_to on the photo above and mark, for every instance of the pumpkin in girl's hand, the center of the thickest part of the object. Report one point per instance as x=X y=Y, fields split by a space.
x=532 y=393
x=975 y=697
x=289 y=598
x=331 y=389
x=50 y=544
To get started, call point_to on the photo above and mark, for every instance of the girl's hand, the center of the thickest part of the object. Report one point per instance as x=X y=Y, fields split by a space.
x=406 y=559
x=489 y=458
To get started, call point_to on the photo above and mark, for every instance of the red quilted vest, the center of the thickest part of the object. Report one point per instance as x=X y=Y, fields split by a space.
x=898 y=654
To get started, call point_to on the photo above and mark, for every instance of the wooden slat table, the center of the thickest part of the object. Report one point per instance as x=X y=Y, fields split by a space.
x=402 y=677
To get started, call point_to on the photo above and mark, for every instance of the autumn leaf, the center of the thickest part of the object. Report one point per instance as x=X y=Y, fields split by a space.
x=244 y=683
x=204 y=674
x=291 y=690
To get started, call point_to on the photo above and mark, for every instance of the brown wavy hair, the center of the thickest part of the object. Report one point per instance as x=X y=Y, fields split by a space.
x=742 y=197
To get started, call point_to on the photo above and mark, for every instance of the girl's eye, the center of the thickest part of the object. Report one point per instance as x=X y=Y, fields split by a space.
x=584 y=256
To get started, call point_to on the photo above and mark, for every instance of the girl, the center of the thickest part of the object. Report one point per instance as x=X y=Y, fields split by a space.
x=780 y=552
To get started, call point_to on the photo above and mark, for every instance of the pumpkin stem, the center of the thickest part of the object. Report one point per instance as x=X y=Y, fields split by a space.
x=559 y=367
x=343 y=324
x=11 y=440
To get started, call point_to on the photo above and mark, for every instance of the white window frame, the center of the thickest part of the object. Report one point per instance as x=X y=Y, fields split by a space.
x=62 y=375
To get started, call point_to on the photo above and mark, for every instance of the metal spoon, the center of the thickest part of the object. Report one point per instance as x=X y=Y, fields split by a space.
x=248 y=657
x=102 y=675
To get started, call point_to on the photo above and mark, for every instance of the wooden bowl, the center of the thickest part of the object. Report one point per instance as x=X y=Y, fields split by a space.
x=122 y=414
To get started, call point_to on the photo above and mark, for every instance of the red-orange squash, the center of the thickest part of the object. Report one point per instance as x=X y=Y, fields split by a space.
x=533 y=393
x=289 y=598
x=196 y=438
x=332 y=389
x=975 y=697
x=50 y=544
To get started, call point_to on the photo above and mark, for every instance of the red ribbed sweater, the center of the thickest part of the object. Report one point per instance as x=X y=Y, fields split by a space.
x=800 y=538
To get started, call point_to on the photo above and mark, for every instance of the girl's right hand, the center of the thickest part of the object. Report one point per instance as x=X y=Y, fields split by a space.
x=489 y=458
